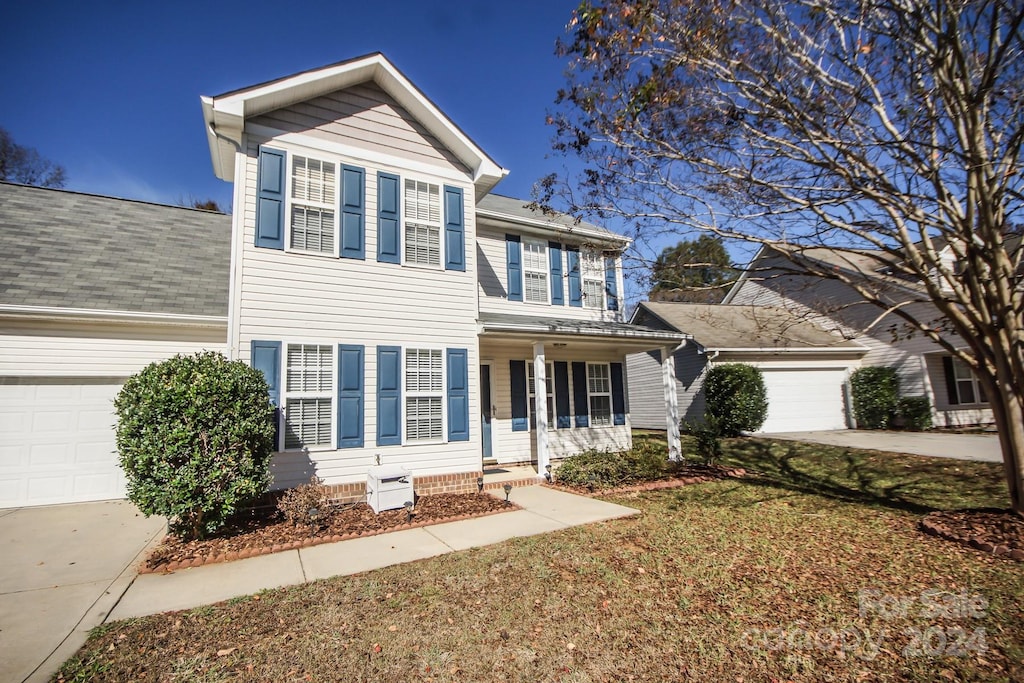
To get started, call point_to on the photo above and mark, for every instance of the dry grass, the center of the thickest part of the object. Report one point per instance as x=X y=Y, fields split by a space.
x=715 y=582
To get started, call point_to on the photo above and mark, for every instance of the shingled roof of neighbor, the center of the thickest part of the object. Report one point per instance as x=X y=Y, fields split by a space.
x=73 y=250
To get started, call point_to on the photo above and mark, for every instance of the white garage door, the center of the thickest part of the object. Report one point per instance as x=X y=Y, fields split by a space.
x=804 y=400
x=57 y=443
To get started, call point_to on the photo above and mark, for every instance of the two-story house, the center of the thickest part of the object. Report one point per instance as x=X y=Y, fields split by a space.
x=400 y=311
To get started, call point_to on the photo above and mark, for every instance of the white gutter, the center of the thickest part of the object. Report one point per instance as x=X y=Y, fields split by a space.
x=89 y=314
x=555 y=227
x=595 y=332
x=790 y=349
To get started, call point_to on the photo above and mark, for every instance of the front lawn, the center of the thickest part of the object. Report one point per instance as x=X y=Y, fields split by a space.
x=812 y=571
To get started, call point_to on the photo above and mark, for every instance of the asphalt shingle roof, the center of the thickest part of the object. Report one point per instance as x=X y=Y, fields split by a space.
x=720 y=326
x=73 y=250
x=519 y=208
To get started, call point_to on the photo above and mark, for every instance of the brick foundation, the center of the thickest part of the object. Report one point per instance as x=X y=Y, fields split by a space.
x=463 y=482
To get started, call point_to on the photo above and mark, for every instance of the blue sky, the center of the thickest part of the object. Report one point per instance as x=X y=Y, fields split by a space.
x=111 y=89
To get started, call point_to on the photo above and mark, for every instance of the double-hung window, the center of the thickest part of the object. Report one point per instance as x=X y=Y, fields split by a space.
x=309 y=378
x=592 y=276
x=599 y=389
x=313 y=213
x=968 y=389
x=549 y=386
x=422 y=214
x=535 y=271
x=424 y=394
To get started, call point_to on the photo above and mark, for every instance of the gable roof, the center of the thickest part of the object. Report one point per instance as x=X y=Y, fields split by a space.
x=719 y=327
x=225 y=114
x=71 y=250
x=510 y=209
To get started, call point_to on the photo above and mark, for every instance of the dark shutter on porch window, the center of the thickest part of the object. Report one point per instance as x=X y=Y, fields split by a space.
x=947 y=367
x=579 y=392
x=618 y=395
x=562 y=409
x=520 y=403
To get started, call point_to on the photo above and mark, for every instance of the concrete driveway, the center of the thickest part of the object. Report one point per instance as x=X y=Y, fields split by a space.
x=981 y=447
x=64 y=568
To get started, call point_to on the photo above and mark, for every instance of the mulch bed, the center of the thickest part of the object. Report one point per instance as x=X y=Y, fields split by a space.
x=998 y=532
x=263 y=531
x=683 y=475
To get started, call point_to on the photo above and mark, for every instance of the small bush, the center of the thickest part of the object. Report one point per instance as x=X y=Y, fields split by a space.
x=307 y=505
x=875 y=393
x=916 y=412
x=707 y=438
x=194 y=437
x=735 y=397
x=595 y=469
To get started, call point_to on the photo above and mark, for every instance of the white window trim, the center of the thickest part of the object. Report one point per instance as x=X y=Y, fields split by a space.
x=330 y=394
x=549 y=386
x=544 y=271
x=592 y=276
x=403 y=179
x=592 y=394
x=407 y=394
x=289 y=203
x=958 y=364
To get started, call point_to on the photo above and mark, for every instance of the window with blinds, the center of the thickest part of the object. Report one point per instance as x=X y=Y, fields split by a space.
x=309 y=381
x=535 y=271
x=422 y=213
x=313 y=195
x=424 y=388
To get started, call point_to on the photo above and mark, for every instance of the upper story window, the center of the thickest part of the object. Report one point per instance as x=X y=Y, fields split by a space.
x=968 y=389
x=593 y=277
x=308 y=397
x=424 y=388
x=535 y=270
x=422 y=223
x=313 y=193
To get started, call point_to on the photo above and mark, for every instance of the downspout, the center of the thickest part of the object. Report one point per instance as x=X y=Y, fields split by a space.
x=232 y=340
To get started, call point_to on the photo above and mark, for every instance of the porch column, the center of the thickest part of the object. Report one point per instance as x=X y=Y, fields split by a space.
x=668 y=380
x=540 y=391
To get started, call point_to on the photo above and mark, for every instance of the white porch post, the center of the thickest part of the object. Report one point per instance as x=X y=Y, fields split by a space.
x=540 y=391
x=668 y=379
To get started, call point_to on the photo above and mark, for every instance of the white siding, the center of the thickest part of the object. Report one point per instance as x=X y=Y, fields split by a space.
x=363 y=117
x=493 y=283
x=293 y=297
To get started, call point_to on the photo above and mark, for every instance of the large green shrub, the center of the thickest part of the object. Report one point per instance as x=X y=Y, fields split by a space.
x=875 y=396
x=195 y=434
x=916 y=413
x=735 y=398
x=595 y=469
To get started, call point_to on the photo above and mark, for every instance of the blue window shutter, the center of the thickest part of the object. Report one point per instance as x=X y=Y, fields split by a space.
x=514 y=259
x=388 y=218
x=555 y=257
x=454 y=230
x=350 y=396
x=562 y=409
x=353 y=212
x=618 y=395
x=458 y=395
x=270 y=199
x=611 y=286
x=520 y=403
x=575 y=293
x=389 y=395
x=579 y=391
x=266 y=357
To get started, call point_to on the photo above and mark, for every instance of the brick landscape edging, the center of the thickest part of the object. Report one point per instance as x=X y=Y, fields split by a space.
x=730 y=473
x=309 y=542
x=933 y=528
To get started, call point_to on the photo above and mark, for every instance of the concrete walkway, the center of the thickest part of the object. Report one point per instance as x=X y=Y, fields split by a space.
x=981 y=447
x=69 y=568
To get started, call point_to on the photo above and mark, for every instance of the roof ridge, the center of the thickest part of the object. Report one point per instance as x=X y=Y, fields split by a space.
x=83 y=193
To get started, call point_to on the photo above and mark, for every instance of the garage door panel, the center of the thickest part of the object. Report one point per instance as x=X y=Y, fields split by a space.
x=57 y=443
x=803 y=400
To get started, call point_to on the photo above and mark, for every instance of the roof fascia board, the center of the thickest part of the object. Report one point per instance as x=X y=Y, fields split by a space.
x=548 y=227
x=518 y=328
x=790 y=349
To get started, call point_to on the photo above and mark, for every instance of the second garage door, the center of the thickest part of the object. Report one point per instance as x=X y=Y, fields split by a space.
x=57 y=442
x=804 y=400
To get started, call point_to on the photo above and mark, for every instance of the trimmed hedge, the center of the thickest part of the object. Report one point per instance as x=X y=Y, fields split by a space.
x=916 y=412
x=735 y=398
x=195 y=435
x=875 y=396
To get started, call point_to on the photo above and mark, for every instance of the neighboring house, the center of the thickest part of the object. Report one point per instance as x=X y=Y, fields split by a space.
x=93 y=289
x=925 y=368
x=805 y=368
x=400 y=312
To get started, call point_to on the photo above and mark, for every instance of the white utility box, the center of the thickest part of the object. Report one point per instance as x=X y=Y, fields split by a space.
x=388 y=487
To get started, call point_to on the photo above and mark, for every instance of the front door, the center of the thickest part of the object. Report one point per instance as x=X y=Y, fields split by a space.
x=485 y=410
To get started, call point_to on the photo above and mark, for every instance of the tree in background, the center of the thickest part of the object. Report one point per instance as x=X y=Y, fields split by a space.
x=25 y=165
x=193 y=202
x=889 y=132
x=694 y=270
